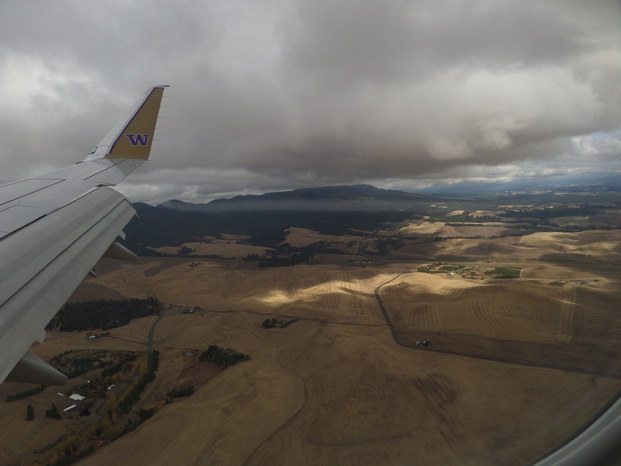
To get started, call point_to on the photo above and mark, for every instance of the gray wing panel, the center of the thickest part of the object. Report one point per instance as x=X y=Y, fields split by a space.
x=13 y=191
x=96 y=172
x=46 y=260
x=26 y=201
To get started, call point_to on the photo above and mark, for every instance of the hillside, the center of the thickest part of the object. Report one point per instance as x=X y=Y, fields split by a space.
x=264 y=219
x=360 y=210
x=330 y=198
x=460 y=338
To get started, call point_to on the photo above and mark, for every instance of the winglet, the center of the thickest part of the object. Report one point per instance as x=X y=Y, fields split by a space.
x=132 y=137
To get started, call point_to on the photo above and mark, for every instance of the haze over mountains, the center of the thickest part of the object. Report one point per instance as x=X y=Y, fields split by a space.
x=264 y=218
x=575 y=183
x=329 y=198
x=346 y=209
x=367 y=197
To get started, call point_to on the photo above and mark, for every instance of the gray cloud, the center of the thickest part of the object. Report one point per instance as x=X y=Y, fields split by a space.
x=282 y=94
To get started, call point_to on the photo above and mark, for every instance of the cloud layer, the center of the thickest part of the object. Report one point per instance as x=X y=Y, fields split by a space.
x=282 y=94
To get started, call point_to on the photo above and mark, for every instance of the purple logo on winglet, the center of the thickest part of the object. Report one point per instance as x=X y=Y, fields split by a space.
x=138 y=139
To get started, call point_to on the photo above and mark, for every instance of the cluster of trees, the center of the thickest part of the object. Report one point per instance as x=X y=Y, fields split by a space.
x=285 y=255
x=133 y=392
x=71 y=455
x=73 y=365
x=223 y=357
x=185 y=251
x=181 y=392
x=504 y=272
x=116 y=367
x=273 y=323
x=79 y=366
x=146 y=413
x=25 y=394
x=439 y=267
x=102 y=314
x=385 y=245
x=53 y=412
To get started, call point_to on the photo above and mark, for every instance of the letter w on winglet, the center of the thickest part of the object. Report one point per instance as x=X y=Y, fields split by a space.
x=132 y=137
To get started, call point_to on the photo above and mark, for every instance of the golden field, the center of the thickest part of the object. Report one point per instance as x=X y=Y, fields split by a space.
x=513 y=367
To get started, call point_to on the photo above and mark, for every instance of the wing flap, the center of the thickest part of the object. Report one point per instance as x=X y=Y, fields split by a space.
x=120 y=252
x=15 y=217
x=42 y=274
x=13 y=191
x=39 y=243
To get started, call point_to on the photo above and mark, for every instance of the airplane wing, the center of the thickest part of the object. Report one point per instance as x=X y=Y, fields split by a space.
x=54 y=228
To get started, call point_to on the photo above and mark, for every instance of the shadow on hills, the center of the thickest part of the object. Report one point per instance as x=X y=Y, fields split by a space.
x=594 y=346
x=589 y=350
x=590 y=356
x=580 y=258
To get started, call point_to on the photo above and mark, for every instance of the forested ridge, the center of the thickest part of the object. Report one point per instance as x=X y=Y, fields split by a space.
x=101 y=314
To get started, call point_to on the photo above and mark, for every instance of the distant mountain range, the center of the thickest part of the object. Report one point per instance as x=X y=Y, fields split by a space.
x=264 y=219
x=583 y=182
x=360 y=197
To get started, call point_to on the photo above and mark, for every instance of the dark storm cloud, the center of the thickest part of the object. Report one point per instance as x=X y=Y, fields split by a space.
x=282 y=94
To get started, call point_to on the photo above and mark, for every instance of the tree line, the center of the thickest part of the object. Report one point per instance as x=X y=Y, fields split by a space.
x=101 y=314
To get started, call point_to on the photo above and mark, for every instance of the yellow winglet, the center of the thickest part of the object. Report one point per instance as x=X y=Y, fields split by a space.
x=132 y=137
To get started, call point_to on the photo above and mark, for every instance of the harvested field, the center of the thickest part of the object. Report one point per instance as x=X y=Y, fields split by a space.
x=345 y=383
x=226 y=248
x=325 y=394
x=526 y=312
x=300 y=237
x=593 y=243
x=441 y=229
x=334 y=294
x=593 y=246
x=558 y=324
x=57 y=342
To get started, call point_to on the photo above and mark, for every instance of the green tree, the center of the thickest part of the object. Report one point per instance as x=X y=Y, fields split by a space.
x=53 y=412
x=29 y=413
x=185 y=251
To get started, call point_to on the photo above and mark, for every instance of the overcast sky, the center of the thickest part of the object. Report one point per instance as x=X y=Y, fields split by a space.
x=281 y=94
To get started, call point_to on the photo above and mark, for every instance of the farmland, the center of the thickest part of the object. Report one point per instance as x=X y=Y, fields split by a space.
x=346 y=382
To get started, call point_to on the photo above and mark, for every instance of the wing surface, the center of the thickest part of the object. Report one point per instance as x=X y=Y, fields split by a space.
x=54 y=228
